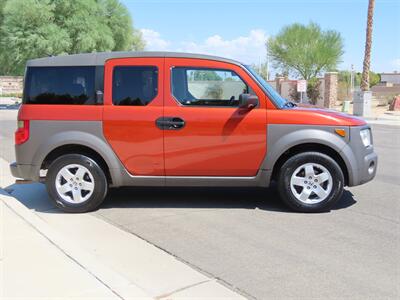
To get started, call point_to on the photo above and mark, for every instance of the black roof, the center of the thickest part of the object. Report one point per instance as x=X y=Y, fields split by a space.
x=99 y=58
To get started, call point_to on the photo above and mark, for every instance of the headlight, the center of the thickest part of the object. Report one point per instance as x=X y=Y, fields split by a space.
x=366 y=137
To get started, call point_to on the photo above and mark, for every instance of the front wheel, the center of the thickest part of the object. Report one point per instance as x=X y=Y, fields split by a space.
x=310 y=182
x=76 y=183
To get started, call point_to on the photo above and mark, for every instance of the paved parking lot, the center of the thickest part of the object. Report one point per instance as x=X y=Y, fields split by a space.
x=247 y=238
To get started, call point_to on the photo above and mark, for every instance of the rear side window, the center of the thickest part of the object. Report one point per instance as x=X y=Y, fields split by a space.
x=134 y=85
x=60 y=85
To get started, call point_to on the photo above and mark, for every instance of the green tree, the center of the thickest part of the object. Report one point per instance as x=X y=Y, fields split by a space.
x=2 y=4
x=138 y=43
x=344 y=82
x=28 y=30
x=313 y=90
x=118 y=19
x=344 y=76
x=37 y=28
x=262 y=70
x=344 y=85
x=305 y=50
x=87 y=29
x=374 y=78
x=199 y=75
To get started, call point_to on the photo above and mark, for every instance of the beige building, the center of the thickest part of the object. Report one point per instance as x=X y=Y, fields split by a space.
x=387 y=89
x=390 y=78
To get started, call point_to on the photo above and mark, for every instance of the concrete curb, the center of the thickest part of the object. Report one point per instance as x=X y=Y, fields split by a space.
x=115 y=282
x=126 y=264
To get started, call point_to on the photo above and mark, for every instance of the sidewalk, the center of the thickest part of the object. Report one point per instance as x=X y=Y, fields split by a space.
x=9 y=100
x=386 y=118
x=9 y=103
x=49 y=254
x=379 y=115
x=33 y=266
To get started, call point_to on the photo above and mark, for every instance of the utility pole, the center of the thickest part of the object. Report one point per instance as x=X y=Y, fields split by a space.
x=351 y=81
x=267 y=59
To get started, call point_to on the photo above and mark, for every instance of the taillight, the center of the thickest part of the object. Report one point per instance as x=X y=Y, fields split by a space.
x=22 y=133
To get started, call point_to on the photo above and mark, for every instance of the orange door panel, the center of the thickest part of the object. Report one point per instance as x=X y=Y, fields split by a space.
x=215 y=141
x=130 y=129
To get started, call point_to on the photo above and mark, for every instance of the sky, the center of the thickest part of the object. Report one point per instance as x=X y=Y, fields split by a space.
x=238 y=29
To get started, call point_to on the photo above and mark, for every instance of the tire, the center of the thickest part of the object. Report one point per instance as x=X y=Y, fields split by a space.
x=76 y=183
x=310 y=182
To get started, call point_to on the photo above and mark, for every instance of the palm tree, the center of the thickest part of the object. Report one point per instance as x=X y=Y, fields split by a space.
x=368 y=45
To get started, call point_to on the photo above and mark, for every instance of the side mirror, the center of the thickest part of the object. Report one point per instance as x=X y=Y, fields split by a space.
x=99 y=97
x=248 y=101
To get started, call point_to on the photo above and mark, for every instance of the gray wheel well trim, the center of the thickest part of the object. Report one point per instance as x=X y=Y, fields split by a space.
x=81 y=138
x=277 y=146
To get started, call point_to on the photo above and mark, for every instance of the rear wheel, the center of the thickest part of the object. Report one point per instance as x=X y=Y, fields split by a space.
x=76 y=183
x=310 y=182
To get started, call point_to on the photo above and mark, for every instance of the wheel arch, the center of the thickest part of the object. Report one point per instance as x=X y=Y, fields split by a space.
x=80 y=143
x=77 y=149
x=286 y=140
x=310 y=147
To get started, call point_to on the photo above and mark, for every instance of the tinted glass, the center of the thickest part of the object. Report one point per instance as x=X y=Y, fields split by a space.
x=134 y=85
x=60 y=85
x=207 y=87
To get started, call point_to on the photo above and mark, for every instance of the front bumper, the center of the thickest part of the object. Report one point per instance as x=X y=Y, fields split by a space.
x=27 y=172
x=363 y=160
x=367 y=170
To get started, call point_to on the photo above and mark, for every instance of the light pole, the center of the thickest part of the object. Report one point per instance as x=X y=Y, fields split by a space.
x=351 y=81
x=267 y=59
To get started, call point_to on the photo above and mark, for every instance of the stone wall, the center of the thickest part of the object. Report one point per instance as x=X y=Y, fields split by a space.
x=327 y=89
x=11 y=85
x=330 y=95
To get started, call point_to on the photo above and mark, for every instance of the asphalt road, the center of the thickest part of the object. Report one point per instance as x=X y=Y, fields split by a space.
x=248 y=240
x=8 y=125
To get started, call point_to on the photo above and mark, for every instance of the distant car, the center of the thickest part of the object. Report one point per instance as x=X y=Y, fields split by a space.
x=174 y=119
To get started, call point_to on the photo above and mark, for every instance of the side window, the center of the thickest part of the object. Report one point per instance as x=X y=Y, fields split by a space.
x=207 y=87
x=134 y=85
x=60 y=85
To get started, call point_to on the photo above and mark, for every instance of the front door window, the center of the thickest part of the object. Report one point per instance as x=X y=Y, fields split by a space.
x=207 y=87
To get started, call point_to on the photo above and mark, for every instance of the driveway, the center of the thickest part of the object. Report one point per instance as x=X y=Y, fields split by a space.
x=252 y=243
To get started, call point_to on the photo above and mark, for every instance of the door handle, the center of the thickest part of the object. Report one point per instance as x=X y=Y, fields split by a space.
x=170 y=123
x=177 y=123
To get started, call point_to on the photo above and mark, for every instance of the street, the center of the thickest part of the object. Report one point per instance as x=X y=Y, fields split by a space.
x=248 y=240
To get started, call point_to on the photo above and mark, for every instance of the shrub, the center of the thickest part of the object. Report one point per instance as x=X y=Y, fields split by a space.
x=313 y=92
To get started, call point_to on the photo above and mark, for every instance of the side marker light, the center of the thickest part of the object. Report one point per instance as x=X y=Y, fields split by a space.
x=340 y=132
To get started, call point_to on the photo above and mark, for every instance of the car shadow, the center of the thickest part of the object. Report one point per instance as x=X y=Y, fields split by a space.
x=35 y=197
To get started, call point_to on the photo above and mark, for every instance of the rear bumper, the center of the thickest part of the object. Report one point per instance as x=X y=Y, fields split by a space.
x=27 y=172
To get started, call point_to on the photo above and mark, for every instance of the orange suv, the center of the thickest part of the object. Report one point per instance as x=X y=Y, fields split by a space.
x=90 y=121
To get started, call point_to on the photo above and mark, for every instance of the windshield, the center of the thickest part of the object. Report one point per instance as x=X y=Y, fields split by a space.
x=268 y=89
